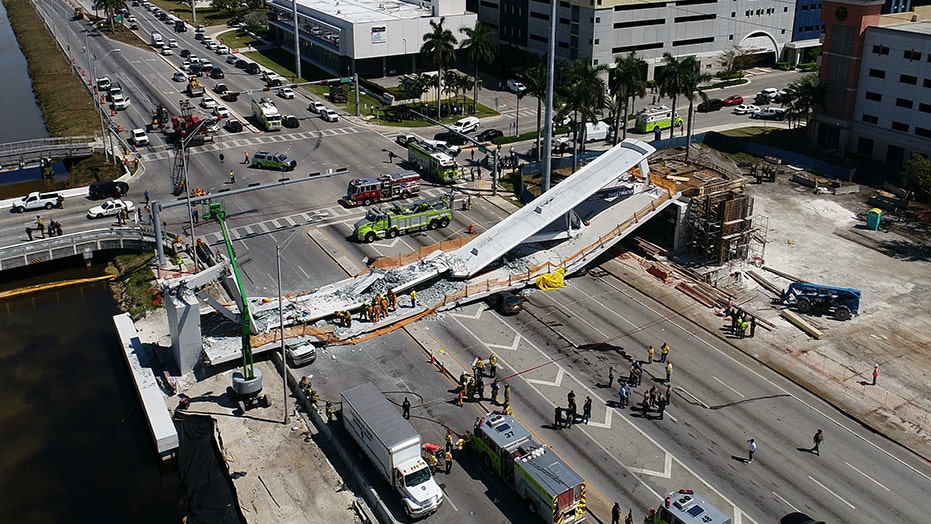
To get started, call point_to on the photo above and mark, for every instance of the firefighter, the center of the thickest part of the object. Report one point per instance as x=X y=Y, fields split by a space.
x=232 y=177
x=376 y=312
x=494 y=392
x=507 y=396
x=413 y=298
x=329 y=411
x=480 y=387
x=463 y=379
x=449 y=439
x=433 y=462
x=406 y=408
x=668 y=370
x=470 y=388
x=461 y=394
x=385 y=303
x=493 y=362
x=664 y=352
x=479 y=367
x=364 y=312
x=448 y=458
x=651 y=352
x=393 y=298
x=348 y=316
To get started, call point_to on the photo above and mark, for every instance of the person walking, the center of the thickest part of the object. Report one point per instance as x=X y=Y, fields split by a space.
x=650 y=353
x=664 y=352
x=668 y=370
x=406 y=408
x=624 y=393
x=616 y=513
x=195 y=216
x=629 y=519
x=222 y=158
x=146 y=196
x=610 y=377
x=246 y=161
x=232 y=177
x=751 y=448
x=587 y=409
x=817 y=440
x=875 y=373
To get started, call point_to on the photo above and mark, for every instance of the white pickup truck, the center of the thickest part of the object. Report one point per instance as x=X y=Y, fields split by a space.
x=36 y=200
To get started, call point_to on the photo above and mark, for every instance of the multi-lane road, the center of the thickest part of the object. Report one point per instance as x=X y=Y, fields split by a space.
x=564 y=340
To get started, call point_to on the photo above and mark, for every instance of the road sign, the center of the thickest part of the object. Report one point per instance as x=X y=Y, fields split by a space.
x=345 y=79
x=483 y=149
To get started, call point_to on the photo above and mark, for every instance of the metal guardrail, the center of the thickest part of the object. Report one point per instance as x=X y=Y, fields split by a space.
x=83 y=243
x=33 y=150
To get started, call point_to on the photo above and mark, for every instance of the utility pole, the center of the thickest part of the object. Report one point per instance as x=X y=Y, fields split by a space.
x=548 y=124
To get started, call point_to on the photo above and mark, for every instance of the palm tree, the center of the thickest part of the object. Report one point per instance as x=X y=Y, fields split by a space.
x=452 y=82
x=803 y=98
x=480 y=46
x=627 y=84
x=585 y=95
x=692 y=77
x=110 y=8
x=535 y=80
x=670 y=82
x=440 y=46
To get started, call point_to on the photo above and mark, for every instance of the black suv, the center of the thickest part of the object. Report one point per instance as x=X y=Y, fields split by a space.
x=107 y=189
x=252 y=68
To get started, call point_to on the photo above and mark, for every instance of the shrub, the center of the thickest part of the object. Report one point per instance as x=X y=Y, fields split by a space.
x=783 y=66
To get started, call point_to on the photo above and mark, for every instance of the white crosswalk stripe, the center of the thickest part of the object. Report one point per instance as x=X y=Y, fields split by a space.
x=167 y=152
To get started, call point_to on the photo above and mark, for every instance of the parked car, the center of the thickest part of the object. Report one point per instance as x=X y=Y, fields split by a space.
x=745 y=109
x=451 y=138
x=110 y=208
x=733 y=100
x=301 y=353
x=712 y=104
x=241 y=64
x=516 y=86
x=252 y=68
x=269 y=160
x=222 y=50
x=488 y=135
x=232 y=59
x=233 y=125
x=220 y=88
x=769 y=113
x=200 y=28
x=329 y=115
x=290 y=121
x=798 y=518
x=230 y=96
x=139 y=137
x=221 y=112
x=286 y=93
x=449 y=149
x=107 y=189
x=505 y=302
x=316 y=107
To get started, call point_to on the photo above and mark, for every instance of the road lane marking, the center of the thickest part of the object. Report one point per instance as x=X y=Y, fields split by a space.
x=825 y=488
x=696 y=399
x=728 y=387
x=784 y=501
x=665 y=474
x=560 y=373
x=867 y=476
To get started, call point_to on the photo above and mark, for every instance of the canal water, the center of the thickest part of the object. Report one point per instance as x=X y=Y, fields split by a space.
x=74 y=445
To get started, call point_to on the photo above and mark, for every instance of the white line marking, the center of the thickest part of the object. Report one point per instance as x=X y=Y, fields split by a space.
x=449 y=500
x=831 y=492
x=867 y=476
x=728 y=387
x=696 y=399
x=666 y=473
x=784 y=501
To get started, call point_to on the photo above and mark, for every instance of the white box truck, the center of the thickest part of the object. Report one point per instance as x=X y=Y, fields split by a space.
x=596 y=131
x=157 y=40
x=393 y=445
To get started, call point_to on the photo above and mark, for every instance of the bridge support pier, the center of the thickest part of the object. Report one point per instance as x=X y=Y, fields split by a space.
x=184 y=325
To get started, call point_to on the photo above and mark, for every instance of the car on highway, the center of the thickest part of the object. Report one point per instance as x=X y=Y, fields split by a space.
x=200 y=28
x=316 y=107
x=712 y=104
x=745 y=109
x=252 y=68
x=465 y=125
x=488 y=135
x=221 y=112
x=199 y=37
x=329 y=115
x=516 y=86
x=232 y=59
x=233 y=126
x=206 y=65
x=178 y=76
x=166 y=50
x=290 y=121
x=230 y=96
x=208 y=103
x=449 y=149
x=733 y=100
x=220 y=88
x=269 y=160
x=185 y=53
x=139 y=137
x=769 y=113
x=110 y=208
x=505 y=303
x=120 y=102
x=107 y=189
x=286 y=93
x=216 y=72
x=222 y=50
x=797 y=517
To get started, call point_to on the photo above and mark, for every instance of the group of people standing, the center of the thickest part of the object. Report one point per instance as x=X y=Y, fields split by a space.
x=571 y=412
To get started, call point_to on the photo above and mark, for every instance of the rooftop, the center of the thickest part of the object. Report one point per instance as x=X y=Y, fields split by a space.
x=360 y=11
x=923 y=27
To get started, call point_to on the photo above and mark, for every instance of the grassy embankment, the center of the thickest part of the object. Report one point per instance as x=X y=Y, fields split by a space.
x=66 y=106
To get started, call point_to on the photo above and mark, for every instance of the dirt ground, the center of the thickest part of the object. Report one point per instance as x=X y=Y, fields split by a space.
x=822 y=238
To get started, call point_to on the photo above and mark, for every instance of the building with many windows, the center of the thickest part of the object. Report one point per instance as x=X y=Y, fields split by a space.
x=369 y=37
x=877 y=76
x=604 y=29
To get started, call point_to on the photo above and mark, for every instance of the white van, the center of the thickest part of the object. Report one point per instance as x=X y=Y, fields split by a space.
x=157 y=41
x=597 y=131
x=466 y=125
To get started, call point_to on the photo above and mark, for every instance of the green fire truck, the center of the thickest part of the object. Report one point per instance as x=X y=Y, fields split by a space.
x=551 y=488
x=399 y=219
x=685 y=507
x=430 y=161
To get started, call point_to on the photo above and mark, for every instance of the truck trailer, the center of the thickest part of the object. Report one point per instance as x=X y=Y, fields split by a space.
x=552 y=489
x=372 y=190
x=393 y=445
x=429 y=213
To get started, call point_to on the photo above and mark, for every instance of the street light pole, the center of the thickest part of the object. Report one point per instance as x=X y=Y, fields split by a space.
x=284 y=363
x=297 y=41
x=103 y=134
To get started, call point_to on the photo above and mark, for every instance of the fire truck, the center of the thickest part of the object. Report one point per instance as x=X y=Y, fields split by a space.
x=370 y=190
x=400 y=219
x=551 y=488
x=685 y=507
x=433 y=162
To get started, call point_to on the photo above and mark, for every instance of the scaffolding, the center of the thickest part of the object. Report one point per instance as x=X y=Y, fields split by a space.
x=722 y=227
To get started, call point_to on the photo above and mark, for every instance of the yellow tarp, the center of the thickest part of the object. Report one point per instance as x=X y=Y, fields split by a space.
x=554 y=280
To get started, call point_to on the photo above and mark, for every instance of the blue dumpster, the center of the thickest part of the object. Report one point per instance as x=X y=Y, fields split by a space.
x=873 y=218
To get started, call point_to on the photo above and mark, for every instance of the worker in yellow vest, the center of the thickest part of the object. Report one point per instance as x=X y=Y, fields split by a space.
x=493 y=361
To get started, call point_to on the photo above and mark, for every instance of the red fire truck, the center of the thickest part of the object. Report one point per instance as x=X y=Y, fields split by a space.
x=369 y=191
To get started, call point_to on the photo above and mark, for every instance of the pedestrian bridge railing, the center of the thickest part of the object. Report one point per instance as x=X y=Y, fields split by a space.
x=31 y=151
x=84 y=243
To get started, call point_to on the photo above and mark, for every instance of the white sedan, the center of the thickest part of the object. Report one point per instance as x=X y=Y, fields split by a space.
x=286 y=92
x=166 y=50
x=222 y=50
x=232 y=59
x=221 y=112
x=110 y=208
x=516 y=86
x=178 y=76
x=745 y=109
x=329 y=115
x=208 y=103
